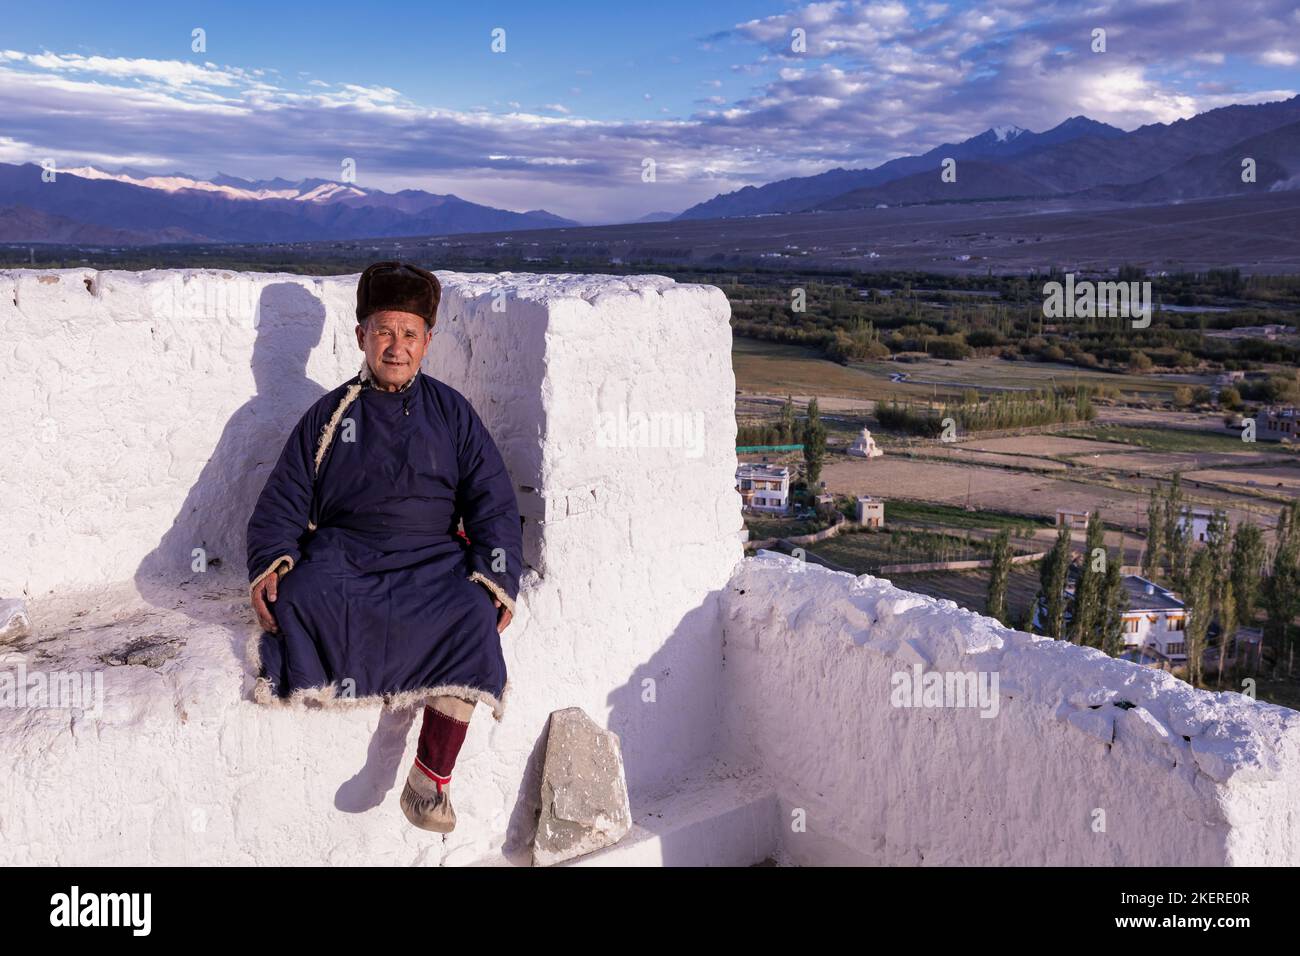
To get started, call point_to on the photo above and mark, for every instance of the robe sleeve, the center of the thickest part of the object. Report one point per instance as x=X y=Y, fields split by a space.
x=485 y=498
x=282 y=512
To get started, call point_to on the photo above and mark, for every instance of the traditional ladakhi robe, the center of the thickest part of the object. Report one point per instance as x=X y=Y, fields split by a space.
x=379 y=598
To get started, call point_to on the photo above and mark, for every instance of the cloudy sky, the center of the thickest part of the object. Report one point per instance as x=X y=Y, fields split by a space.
x=715 y=93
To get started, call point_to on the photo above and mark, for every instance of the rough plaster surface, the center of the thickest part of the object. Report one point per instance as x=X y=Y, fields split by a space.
x=145 y=411
x=1183 y=777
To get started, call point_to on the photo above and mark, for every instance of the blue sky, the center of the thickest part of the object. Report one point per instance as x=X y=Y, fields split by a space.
x=585 y=92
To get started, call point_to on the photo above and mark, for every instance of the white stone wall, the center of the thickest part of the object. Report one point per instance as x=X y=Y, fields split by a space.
x=1183 y=777
x=144 y=413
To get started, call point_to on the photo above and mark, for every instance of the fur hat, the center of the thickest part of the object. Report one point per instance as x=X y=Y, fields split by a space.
x=399 y=287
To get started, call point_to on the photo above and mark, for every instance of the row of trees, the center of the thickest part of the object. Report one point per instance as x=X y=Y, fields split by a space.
x=998 y=411
x=1227 y=582
x=1094 y=618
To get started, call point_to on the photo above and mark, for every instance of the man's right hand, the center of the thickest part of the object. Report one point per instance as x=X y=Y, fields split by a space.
x=262 y=594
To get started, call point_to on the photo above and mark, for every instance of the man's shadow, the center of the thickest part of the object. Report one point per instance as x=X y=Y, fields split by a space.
x=206 y=542
x=199 y=567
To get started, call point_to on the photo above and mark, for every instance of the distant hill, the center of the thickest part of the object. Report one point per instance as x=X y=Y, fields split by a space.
x=807 y=192
x=1198 y=157
x=143 y=207
x=657 y=217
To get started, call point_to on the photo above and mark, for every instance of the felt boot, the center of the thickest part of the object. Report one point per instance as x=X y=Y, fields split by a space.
x=427 y=803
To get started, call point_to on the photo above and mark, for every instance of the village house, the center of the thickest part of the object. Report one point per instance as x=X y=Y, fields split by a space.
x=763 y=487
x=1197 y=521
x=1277 y=424
x=870 y=512
x=1074 y=520
x=1154 y=623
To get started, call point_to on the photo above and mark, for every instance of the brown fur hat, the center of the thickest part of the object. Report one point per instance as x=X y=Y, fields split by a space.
x=399 y=287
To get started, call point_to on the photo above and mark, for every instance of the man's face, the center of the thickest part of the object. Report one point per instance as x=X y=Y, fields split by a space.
x=394 y=343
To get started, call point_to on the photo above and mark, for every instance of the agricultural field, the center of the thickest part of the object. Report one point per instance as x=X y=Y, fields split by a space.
x=969 y=589
x=776 y=369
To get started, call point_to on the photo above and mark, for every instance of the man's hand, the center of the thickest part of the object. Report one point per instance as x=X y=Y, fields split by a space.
x=264 y=592
x=503 y=612
x=503 y=615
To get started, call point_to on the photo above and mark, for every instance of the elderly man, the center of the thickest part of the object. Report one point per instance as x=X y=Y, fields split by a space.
x=366 y=589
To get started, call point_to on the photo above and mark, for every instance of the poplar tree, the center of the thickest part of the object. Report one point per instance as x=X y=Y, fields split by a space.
x=1178 y=534
x=1222 y=600
x=814 y=443
x=1281 y=591
x=1114 y=604
x=1053 y=576
x=1088 y=593
x=999 y=575
x=787 y=421
x=1199 y=602
x=1248 y=556
x=1153 y=557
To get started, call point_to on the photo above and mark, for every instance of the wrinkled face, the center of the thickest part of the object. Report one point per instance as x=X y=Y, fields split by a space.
x=394 y=343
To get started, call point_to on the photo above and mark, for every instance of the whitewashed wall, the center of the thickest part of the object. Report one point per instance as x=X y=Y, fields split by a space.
x=144 y=413
x=1183 y=777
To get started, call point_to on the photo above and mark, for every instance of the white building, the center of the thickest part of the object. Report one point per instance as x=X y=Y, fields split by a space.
x=1065 y=518
x=1156 y=621
x=1198 y=522
x=763 y=487
x=871 y=512
x=864 y=446
x=1277 y=424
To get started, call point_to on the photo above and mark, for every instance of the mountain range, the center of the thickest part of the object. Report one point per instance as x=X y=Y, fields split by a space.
x=133 y=207
x=1195 y=158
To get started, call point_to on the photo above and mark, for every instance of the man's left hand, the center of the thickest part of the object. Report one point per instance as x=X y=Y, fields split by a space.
x=503 y=615
x=503 y=612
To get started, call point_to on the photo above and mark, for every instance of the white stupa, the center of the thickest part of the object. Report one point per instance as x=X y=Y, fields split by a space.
x=864 y=446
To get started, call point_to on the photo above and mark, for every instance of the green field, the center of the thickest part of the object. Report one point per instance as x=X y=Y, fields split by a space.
x=778 y=369
x=948 y=516
x=1169 y=439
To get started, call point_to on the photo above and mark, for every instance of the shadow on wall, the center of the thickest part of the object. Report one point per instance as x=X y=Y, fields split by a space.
x=658 y=743
x=214 y=517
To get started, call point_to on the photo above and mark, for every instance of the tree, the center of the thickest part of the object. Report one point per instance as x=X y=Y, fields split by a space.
x=1198 y=597
x=1247 y=572
x=1223 y=605
x=999 y=575
x=1153 y=557
x=1114 y=604
x=1281 y=591
x=787 y=421
x=1053 y=576
x=1088 y=593
x=814 y=442
x=1178 y=535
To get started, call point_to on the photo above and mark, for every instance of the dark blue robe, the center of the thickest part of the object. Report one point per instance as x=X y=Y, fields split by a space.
x=382 y=600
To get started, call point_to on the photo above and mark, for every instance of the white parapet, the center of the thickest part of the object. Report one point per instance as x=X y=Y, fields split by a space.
x=900 y=729
x=144 y=413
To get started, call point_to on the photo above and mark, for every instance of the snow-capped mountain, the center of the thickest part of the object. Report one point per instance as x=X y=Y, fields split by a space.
x=146 y=206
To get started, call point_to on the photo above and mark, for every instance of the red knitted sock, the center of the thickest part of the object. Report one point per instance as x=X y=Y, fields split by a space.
x=441 y=737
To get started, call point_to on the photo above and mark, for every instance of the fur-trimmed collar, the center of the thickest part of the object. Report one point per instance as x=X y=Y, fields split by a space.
x=368 y=380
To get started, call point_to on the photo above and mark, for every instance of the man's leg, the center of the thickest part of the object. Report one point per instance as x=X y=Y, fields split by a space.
x=425 y=798
x=446 y=721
